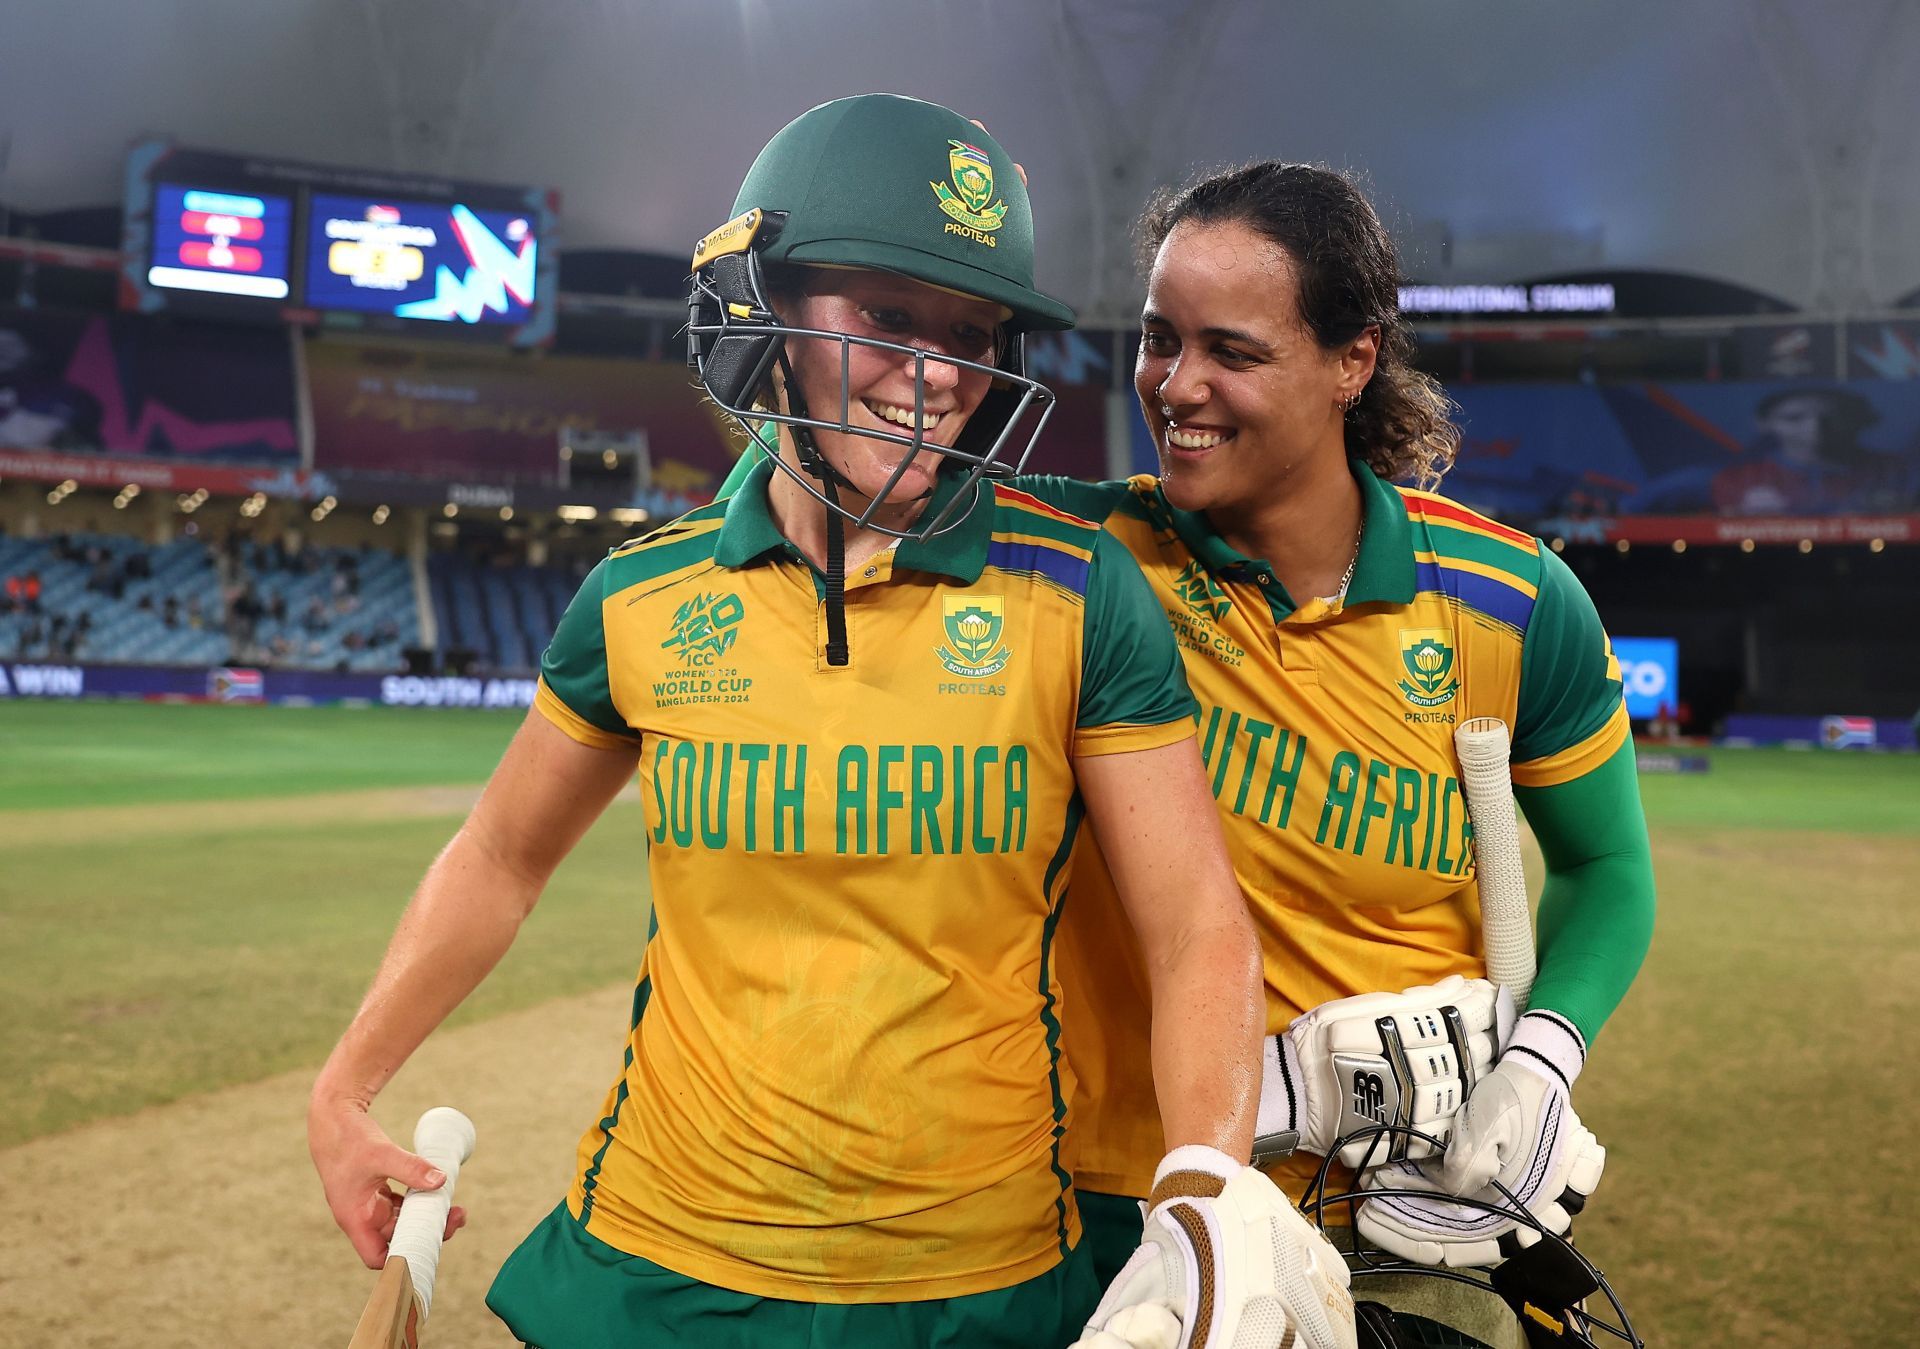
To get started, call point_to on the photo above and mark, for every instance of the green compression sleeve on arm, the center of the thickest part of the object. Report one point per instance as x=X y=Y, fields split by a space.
x=1596 y=913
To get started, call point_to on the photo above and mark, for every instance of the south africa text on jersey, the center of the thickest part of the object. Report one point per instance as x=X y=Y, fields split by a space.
x=924 y=800
x=1406 y=816
x=707 y=686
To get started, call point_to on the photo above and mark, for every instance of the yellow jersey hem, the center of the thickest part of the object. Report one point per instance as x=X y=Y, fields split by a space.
x=1114 y=1182
x=572 y=723
x=1126 y=737
x=1576 y=760
x=758 y=1282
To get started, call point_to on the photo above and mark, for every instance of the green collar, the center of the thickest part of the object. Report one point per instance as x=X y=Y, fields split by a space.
x=1383 y=573
x=749 y=534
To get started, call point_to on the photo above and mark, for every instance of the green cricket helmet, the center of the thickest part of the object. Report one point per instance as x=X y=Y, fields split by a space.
x=897 y=185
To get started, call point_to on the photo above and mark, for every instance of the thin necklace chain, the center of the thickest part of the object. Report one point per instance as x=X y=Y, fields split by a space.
x=1346 y=577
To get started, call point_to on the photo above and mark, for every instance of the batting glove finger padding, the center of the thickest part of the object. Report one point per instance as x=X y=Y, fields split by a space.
x=1517 y=1129
x=1225 y=1262
x=1406 y=1059
x=1508 y=1116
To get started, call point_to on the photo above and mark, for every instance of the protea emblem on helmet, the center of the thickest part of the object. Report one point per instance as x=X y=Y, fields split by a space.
x=1428 y=658
x=974 y=625
x=967 y=200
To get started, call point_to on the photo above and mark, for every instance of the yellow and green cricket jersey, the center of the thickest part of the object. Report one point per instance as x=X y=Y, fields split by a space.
x=1327 y=729
x=843 y=1081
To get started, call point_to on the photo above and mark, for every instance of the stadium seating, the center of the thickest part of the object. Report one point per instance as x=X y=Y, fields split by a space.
x=106 y=598
x=111 y=599
x=502 y=614
x=324 y=608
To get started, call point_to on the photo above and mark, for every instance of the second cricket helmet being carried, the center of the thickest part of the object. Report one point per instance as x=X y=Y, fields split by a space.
x=897 y=185
x=1561 y=1298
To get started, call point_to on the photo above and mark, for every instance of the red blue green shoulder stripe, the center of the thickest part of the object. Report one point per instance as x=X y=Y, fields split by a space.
x=1476 y=562
x=1031 y=538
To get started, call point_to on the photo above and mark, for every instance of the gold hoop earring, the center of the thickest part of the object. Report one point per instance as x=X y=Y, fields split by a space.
x=1350 y=402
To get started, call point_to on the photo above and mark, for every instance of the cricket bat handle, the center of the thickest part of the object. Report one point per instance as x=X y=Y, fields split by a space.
x=445 y=1138
x=1484 y=748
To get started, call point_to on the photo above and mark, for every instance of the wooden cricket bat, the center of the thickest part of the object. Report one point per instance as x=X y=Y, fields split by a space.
x=404 y=1293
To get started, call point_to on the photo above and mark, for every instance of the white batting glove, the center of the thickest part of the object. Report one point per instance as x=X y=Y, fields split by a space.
x=1225 y=1260
x=1407 y=1059
x=1518 y=1128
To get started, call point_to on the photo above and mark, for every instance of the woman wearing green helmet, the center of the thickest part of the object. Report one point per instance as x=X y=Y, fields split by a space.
x=869 y=700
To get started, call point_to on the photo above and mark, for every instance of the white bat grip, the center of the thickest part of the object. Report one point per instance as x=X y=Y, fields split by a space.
x=445 y=1138
x=1506 y=922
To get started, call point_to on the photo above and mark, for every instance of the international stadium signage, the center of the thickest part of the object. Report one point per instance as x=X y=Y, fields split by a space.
x=1542 y=298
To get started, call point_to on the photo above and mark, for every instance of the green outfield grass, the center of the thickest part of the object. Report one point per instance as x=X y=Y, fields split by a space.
x=1850 y=791
x=60 y=754
x=214 y=931
x=196 y=896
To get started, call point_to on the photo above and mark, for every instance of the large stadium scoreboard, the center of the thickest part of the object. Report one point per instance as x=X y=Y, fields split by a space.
x=234 y=237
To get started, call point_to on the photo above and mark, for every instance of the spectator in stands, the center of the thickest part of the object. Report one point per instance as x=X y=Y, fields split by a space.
x=315 y=619
x=170 y=612
x=30 y=592
x=244 y=611
x=105 y=577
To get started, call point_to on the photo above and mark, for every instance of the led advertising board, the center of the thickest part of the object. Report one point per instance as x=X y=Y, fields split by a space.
x=1650 y=674
x=221 y=243
x=443 y=262
x=232 y=237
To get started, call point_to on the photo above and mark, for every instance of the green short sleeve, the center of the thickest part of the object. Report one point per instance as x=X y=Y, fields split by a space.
x=1569 y=682
x=574 y=665
x=1131 y=671
x=1093 y=501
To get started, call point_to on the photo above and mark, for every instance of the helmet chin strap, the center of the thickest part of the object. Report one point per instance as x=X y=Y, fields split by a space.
x=831 y=481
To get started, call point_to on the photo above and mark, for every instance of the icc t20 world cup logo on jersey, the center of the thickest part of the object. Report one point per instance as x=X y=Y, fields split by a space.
x=974 y=625
x=1428 y=658
x=1202 y=594
x=704 y=628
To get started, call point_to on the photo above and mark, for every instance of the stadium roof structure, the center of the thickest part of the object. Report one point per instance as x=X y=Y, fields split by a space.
x=1774 y=144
